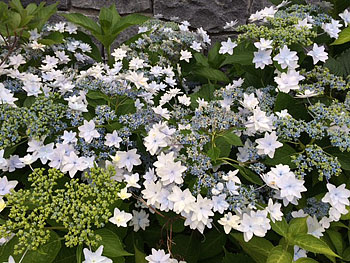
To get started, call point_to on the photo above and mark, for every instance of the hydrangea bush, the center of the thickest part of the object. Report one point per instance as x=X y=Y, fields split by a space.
x=171 y=148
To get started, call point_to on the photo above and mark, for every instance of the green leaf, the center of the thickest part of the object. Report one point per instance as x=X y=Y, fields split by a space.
x=84 y=22
x=340 y=65
x=306 y=260
x=112 y=246
x=232 y=258
x=258 y=248
x=187 y=246
x=201 y=59
x=42 y=14
x=66 y=255
x=249 y=175
x=313 y=244
x=79 y=253
x=241 y=59
x=295 y=107
x=343 y=157
x=282 y=156
x=279 y=255
x=52 y=38
x=211 y=74
x=94 y=94
x=212 y=244
x=140 y=257
x=344 y=37
x=127 y=21
x=215 y=59
x=231 y=138
x=108 y=18
x=45 y=253
x=337 y=240
x=177 y=225
x=346 y=254
x=297 y=226
x=280 y=227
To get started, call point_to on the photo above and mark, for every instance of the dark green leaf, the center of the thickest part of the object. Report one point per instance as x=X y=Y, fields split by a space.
x=187 y=246
x=112 y=246
x=337 y=240
x=306 y=260
x=282 y=156
x=211 y=74
x=52 y=38
x=83 y=21
x=341 y=65
x=241 y=59
x=212 y=244
x=295 y=107
x=214 y=153
x=79 y=253
x=231 y=138
x=343 y=157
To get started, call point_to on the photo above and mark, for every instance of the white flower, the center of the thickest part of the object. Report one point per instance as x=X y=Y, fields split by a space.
x=230 y=221
x=318 y=54
x=289 y=81
x=139 y=220
x=274 y=210
x=11 y=260
x=95 y=257
x=6 y=186
x=182 y=199
x=73 y=164
x=158 y=256
x=152 y=192
x=337 y=197
x=299 y=253
x=88 y=131
x=136 y=63
x=303 y=24
x=112 y=139
x=255 y=223
x=345 y=16
x=268 y=144
x=28 y=159
x=185 y=100
x=197 y=46
x=138 y=79
x=6 y=97
x=249 y=101
x=127 y=159
x=332 y=29
x=132 y=180
x=202 y=209
x=2 y=204
x=155 y=140
x=227 y=47
x=120 y=218
x=307 y=94
x=162 y=112
x=119 y=54
x=314 y=227
x=259 y=122
x=185 y=55
x=219 y=203
x=3 y=162
x=264 y=44
x=262 y=58
x=230 y=25
x=171 y=172
x=287 y=58
x=69 y=137
x=123 y=194
x=291 y=188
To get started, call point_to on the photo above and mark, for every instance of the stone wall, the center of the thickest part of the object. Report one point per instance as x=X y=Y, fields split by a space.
x=209 y=14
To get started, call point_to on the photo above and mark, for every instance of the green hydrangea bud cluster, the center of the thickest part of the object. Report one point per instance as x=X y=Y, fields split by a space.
x=74 y=207
x=320 y=80
x=315 y=157
x=42 y=118
x=281 y=30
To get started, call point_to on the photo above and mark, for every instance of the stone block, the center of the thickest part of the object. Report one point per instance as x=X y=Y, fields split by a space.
x=212 y=15
x=123 y=6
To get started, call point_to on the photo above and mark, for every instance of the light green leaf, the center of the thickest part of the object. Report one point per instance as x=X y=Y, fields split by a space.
x=241 y=59
x=79 y=253
x=344 y=37
x=297 y=226
x=279 y=255
x=140 y=257
x=201 y=59
x=280 y=227
x=127 y=21
x=306 y=260
x=112 y=246
x=83 y=21
x=313 y=244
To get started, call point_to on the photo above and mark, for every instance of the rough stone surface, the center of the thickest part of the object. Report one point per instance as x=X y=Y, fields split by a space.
x=212 y=15
x=63 y=5
x=123 y=6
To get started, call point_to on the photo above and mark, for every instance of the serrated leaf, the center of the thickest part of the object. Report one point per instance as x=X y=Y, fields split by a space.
x=279 y=255
x=339 y=66
x=232 y=138
x=337 y=240
x=241 y=59
x=313 y=244
x=297 y=226
x=83 y=21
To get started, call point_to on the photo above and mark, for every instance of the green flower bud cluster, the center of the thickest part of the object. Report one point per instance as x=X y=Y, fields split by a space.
x=320 y=80
x=314 y=157
x=74 y=207
x=281 y=30
x=42 y=118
